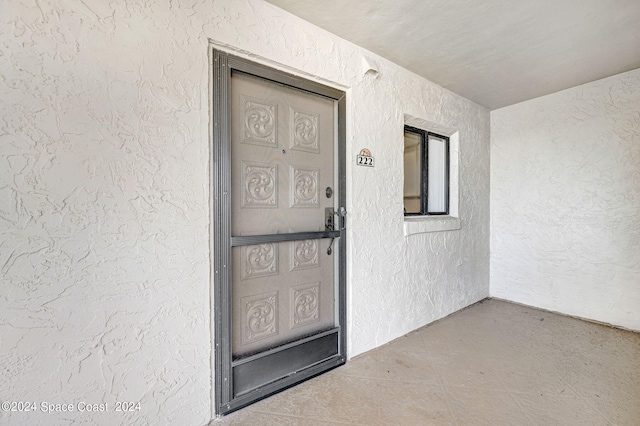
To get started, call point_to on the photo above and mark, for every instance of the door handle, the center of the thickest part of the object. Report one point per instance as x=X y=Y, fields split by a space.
x=329 y=223
x=328 y=218
x=342 y=212
x=329 y=251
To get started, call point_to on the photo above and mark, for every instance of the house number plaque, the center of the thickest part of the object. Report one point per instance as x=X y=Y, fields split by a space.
x=364 y=158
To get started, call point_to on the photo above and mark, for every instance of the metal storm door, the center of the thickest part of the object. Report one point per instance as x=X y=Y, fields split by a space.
x=280 y=253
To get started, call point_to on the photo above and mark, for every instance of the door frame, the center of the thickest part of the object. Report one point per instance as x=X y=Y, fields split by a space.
x=223 y=64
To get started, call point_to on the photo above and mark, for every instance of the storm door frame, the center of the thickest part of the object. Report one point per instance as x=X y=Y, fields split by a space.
x=223 y=64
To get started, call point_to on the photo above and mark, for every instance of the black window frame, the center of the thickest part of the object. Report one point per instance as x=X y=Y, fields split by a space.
x=424 y=171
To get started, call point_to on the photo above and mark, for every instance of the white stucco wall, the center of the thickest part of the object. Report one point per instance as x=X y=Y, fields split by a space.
x=104 y=199
x=565 y=197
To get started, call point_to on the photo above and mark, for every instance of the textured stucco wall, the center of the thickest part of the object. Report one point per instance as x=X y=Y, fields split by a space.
x=104 y=199
x=565 y=197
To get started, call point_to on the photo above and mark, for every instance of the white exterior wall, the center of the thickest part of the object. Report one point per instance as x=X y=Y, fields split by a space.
x=104 y=199
x=565 y=197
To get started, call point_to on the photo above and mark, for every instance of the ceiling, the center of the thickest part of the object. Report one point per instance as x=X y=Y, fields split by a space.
x=494 y=52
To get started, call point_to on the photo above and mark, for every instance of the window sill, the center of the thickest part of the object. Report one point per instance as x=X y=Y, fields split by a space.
x=423 y=224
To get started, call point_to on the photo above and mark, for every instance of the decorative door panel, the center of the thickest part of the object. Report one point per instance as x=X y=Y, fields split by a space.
x=281 y=292
x=282 y=157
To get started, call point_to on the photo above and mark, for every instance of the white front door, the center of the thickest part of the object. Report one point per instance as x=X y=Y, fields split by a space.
x=282 y=168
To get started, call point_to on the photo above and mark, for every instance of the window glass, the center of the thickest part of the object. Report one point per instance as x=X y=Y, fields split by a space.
x=437 y=177
x=412 y=172
x=426 y=173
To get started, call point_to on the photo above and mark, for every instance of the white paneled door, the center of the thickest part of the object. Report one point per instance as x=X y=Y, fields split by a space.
x=282 y=155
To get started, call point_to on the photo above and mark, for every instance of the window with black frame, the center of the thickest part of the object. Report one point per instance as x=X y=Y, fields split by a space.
x=426 y=173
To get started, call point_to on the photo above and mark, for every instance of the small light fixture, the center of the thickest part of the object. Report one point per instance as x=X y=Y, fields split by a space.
x=369 y=67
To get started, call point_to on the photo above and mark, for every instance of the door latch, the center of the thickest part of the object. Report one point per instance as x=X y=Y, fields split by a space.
x=343 y=214
x=329 y=220
x=329 y=223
